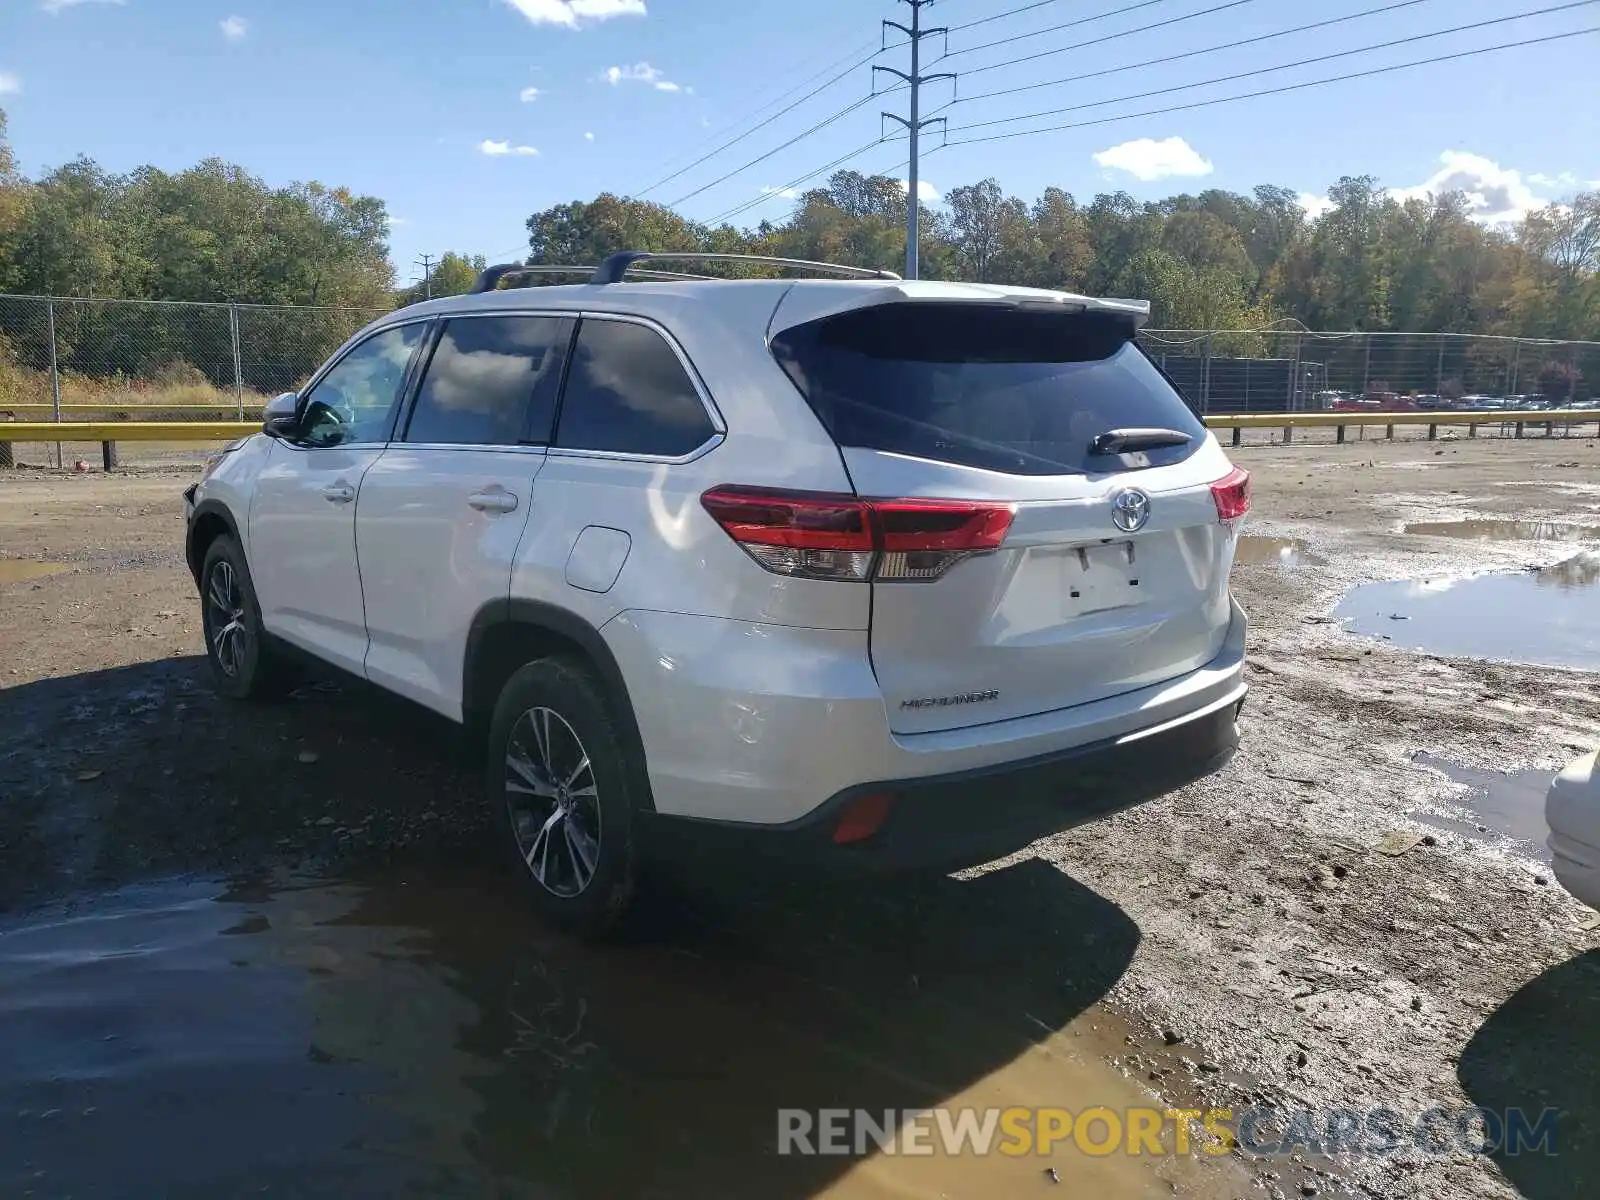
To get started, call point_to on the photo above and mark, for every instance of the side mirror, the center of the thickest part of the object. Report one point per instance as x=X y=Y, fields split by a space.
x=280 y=417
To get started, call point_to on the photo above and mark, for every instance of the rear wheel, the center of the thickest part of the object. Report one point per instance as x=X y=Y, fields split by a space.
x=244 y=664
x=559 y=771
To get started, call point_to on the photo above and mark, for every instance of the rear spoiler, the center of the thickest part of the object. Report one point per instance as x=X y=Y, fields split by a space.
x=801 y=305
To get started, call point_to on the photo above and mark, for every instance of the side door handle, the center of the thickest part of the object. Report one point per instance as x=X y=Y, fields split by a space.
x=493 y=500
x=339 y=493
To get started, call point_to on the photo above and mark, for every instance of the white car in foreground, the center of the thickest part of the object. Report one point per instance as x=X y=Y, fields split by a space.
x=882 y=571
x=1572 y=810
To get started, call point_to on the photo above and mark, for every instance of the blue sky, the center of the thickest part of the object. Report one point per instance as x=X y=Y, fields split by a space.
x=467 y=115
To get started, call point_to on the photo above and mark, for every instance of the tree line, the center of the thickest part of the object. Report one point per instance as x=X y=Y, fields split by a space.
x=1214 y=260
x=1211 y=260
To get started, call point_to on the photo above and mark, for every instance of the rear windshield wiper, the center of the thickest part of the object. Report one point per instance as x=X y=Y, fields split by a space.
x=1125 y=441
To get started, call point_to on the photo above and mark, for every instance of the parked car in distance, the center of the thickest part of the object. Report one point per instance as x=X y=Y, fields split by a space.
x=868 y=573
x=1572 y=810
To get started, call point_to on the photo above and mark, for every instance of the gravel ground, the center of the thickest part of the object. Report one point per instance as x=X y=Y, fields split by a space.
x=1265 y=949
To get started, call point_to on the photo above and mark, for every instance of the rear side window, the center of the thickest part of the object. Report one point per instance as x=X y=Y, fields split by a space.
x=1004 y=389
x=492 y=381
x=627 y=392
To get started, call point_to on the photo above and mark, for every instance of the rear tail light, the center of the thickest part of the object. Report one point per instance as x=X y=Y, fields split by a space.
x=1232 y=494
x=825 y=535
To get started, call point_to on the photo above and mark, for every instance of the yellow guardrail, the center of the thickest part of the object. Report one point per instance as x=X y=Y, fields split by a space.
x=125 y=431
x=45 y=410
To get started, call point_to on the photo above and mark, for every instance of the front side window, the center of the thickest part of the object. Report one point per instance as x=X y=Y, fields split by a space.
x=492 y=381
x=355 y=401
x=627 y=392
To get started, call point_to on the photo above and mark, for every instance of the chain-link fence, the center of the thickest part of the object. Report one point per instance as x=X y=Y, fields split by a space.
x=159 y=358
x=189 y=359
x=1288 y=370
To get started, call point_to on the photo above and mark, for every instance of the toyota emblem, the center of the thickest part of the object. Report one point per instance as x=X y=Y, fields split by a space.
x=1130 y=509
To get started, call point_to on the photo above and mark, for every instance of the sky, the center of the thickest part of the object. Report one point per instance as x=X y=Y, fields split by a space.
x=466 y=116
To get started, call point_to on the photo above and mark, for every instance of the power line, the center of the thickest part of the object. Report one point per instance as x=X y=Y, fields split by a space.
x=1109 y=37
x=781 y=112
x=1171 y=58
x=1073 y=24
x=1304 y=62
x=804 y=133
x=794 y=183
x=1001 y=16
x=1292 y=87
x=855 y=52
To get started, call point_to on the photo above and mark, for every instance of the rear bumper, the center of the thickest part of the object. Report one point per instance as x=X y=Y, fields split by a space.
x=969 y=817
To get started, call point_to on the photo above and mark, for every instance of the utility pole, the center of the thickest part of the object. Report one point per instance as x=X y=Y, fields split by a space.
x=426 y=263
x=915 y=123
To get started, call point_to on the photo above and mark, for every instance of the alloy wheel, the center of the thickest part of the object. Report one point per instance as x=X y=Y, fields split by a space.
x=225 y=622
x=553 y=802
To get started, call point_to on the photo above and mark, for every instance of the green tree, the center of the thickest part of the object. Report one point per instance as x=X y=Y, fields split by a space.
x=452 y=275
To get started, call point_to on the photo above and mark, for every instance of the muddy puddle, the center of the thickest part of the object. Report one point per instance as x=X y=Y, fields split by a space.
x=1501 y=803
x=417 y=1033
x=15 y=570
x=1254 y=551
x=1507 y=531
x=1549 y=617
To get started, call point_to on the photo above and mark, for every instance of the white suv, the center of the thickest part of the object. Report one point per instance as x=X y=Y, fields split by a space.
x=885 y=572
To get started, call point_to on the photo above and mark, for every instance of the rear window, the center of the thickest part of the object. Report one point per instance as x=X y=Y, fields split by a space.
x=1004 y=389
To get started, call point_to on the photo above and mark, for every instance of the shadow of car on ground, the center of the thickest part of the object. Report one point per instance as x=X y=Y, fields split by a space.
x=506 y=1055
x=1539 y=1051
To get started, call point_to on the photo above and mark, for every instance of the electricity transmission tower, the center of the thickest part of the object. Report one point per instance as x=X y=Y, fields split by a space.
x=427 y=264
x=915 y=123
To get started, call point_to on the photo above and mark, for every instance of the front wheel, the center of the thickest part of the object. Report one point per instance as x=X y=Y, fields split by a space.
x=243 y=664
x=559 y=771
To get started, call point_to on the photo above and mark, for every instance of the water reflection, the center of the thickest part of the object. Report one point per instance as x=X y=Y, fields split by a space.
x=1279 y=552
x=1507 y=531
x=1509 y=803
x=1544 y=618
x=418 y=1034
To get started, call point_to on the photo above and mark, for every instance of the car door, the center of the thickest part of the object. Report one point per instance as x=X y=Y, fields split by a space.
x=302 y=518
x=624 y=474
x=442 y=510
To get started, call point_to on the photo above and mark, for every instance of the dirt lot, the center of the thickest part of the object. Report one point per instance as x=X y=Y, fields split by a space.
x=1240 y=942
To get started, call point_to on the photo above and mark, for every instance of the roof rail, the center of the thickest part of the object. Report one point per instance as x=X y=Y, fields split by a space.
x=489 y=279
x=617 y=265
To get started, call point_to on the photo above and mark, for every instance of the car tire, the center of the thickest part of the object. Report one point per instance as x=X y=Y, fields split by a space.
x=559 y=778
x=244 y=663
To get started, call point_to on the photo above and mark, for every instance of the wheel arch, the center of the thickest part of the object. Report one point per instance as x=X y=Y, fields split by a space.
x=506 y=634
x=212 y=519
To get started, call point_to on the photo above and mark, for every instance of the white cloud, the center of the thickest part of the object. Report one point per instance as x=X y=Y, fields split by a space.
x=1494 y=193
x=10 y=84
x=1314 y=205
x=234 y=28
x=396 y=222
x=1147 y=159
x=926 y=192
x=499 y=149
x=54 y=7
x=529 y=94
x=1564 y=180
x=588 y=137
x=642 y=72
x=573 y=14
x=782 y=193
